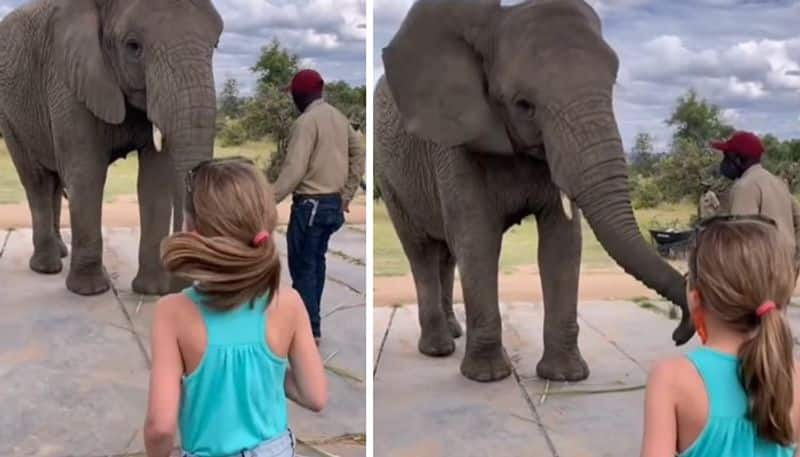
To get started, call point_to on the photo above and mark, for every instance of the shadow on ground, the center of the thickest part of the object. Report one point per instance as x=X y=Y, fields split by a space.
x=424 y=407
x=74 y=370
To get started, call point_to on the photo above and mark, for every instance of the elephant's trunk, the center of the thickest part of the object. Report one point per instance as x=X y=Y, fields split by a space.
x=587 y=162
x=182 y=105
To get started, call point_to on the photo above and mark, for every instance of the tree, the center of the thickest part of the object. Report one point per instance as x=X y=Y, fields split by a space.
x=643 y=157
x=351 y=101
x=276 y=66
x=698 y=121
x=688 y=171
x=229 y=102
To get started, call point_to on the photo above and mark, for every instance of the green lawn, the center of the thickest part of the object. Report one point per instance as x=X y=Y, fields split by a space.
x=122 y=173
x=520 y=242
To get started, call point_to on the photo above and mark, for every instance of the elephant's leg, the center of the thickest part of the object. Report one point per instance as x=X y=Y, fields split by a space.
x=424 y=256
x=40 y=185
x=84 y=154
x=436 y=338
x=447 y=265
x=59 y=192
x=156 y=176
x=477 y=256
x=559 y=265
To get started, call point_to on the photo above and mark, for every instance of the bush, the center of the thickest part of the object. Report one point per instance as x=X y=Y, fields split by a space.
x=645 y=192
x=233 y=133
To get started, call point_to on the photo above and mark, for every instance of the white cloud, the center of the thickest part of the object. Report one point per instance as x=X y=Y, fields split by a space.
x=327 y=34
x=743 y=55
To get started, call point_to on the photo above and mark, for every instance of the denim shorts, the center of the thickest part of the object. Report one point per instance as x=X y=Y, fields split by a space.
x=282 y=445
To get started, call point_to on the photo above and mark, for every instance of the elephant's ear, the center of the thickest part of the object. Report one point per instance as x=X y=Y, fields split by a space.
x=434 y=68
x=76 y=39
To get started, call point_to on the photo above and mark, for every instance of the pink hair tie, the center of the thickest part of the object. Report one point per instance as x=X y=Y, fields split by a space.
x=765 y=308
x=260 y=238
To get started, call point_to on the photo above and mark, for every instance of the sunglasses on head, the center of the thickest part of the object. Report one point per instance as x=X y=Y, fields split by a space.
x=205 y=164
x=723 y=219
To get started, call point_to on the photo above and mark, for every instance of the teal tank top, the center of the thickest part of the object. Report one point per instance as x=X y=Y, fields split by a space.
x=235 y=399
x=728 y=432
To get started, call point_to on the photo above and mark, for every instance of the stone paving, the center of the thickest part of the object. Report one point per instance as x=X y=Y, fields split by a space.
x=74 y=370
x=424 y=407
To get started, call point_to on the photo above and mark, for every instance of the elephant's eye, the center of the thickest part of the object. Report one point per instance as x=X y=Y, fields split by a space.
x=525 y=108
x=133 y=48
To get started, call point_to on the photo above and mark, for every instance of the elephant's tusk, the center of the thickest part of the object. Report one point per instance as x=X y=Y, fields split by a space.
x=157 y=138
x=566 y=204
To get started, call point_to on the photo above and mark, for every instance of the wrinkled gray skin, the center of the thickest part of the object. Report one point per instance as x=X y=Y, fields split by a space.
x=81 y=84
x=486 y=114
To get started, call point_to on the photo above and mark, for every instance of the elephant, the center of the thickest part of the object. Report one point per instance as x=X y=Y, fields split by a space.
x=486 y=114
x=82 y=84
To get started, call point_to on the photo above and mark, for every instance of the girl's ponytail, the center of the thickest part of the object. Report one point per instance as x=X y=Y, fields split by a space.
x=768 y=376
x=230 y=250
x=744 y=273
x=230 y=272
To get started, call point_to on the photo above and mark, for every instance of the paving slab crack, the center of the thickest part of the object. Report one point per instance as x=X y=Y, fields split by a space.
x=131 y=325
x=383 y=341
x=5 y=241
x=537 y=419
x=337 y=281
x=612 y=342
x=347 y=258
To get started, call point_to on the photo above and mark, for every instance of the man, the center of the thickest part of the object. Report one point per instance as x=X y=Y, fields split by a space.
x=709 y=203
x=323 y=167
x=756 y=190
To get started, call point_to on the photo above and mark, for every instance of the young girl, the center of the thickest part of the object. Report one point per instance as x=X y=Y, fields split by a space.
x=734 y=396
x=230 y=349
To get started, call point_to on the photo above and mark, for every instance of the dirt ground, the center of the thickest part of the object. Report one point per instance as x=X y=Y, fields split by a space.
x=124 y=212
x=524 y=285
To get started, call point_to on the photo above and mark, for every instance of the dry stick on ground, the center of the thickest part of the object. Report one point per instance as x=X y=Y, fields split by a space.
x=546 y=391
x=610 y=390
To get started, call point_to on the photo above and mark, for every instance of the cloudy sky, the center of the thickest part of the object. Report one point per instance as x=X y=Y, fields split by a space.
x=328 y=34
x=743 y=55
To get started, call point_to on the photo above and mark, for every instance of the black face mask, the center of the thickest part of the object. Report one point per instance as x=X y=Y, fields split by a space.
x=731 y=167
x=301 y=101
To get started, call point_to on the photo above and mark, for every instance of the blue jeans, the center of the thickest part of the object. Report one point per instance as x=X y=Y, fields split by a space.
x=281 y=446
x=314 y=219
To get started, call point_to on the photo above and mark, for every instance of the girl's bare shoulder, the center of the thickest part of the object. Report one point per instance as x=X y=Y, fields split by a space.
x=675 y=371
x=172 y=306
x=288 y=303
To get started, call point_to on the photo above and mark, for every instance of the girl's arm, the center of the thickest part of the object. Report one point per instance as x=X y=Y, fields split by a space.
x=660 y=420
x=165 y=384
x=305 y=382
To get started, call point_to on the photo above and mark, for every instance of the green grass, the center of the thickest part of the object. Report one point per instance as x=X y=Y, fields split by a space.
x=122 y=173
x=520 y=242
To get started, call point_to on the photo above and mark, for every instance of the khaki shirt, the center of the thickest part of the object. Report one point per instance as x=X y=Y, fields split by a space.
x=760 y=192
x=325 y=155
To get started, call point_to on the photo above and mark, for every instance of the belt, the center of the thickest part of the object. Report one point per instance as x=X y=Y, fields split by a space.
x=317 y=195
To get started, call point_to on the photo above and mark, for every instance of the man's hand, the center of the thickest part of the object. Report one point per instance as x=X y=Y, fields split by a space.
x=346 y=206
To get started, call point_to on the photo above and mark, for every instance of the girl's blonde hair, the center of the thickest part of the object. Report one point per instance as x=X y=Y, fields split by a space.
x=736 y=267
x=229 y=202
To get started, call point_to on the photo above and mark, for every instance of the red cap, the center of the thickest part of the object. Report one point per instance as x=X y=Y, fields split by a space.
x=745 y=144
x=307 y=82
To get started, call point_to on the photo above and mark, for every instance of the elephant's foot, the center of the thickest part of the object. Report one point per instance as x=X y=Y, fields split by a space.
x=486 y=366
x=152 y=283
x=87 y=280
x=436 y=343
x=46 y=261
x=562 y=366
x=454 y=326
